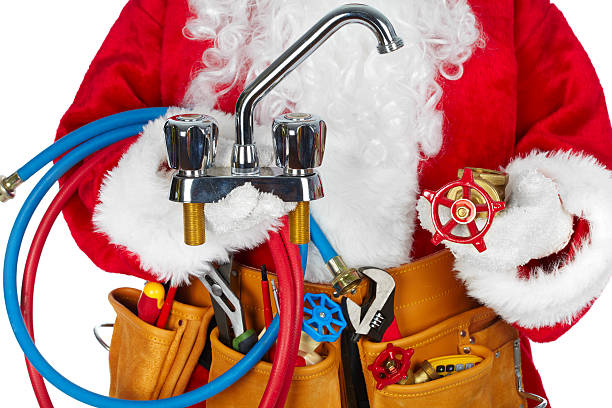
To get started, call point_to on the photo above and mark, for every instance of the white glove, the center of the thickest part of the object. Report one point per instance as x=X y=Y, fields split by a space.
x=546 y=193
x=533 y=225
x=134 y=210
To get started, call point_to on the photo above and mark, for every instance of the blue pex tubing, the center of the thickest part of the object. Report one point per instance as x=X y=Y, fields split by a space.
x=321 y=242
x=88 y=140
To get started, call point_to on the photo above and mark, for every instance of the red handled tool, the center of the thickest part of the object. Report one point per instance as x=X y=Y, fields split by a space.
x=265 y=293
x=166 y=308
x=151 y=301
x=462 y=212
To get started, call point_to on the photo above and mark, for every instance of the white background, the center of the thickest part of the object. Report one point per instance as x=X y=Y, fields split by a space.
x=46 y=47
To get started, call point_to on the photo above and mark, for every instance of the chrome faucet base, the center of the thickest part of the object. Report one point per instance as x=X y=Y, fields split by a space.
x=219 y=182
x=299 y=138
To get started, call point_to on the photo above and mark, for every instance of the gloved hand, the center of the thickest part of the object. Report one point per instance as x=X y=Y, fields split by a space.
x=135 y=211
x=533 y=225
x=545 y=263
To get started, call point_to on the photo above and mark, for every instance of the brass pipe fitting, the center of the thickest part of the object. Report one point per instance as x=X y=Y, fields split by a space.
x=194 y=223
x=345 y=279
x=299 y=223
x=426 y=373
x=8 y=185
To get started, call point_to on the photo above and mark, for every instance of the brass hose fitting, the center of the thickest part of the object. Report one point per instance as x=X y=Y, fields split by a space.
x=8 y=185
x=345 y=279
x=299 y=223
x=194 y=223
x=426 y=373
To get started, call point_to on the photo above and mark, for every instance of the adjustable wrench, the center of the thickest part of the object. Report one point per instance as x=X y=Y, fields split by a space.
x=375 y=318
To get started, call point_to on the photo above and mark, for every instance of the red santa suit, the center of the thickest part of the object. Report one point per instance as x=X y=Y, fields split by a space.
x=501 y=84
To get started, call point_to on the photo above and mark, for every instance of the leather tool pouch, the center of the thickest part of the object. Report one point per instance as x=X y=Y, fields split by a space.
x=432 y=310
x=147 y=362
x=438 y=318
x=311 y=386
x=490 y=384
x=317 y=385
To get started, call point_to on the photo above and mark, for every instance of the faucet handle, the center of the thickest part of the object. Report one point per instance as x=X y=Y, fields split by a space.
x=191 y=142
x=299 y=142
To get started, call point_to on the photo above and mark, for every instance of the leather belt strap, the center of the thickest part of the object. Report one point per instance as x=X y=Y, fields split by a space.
x=427 y=292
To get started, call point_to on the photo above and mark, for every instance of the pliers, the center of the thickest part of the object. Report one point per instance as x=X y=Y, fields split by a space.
x=226 y=305
x=375 y=318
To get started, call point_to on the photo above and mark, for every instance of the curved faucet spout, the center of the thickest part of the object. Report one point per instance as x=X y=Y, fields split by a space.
x=244 y=158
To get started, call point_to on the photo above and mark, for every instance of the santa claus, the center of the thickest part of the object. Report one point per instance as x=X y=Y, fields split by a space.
x=497 y=85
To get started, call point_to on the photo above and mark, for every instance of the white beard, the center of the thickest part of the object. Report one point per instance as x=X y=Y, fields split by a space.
x=381 y=116
x=380 y=109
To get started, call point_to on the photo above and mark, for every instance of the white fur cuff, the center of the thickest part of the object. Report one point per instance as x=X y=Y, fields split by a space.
x=545 y=192
x=134 y=210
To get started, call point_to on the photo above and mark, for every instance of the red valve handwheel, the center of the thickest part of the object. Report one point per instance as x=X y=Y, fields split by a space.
x=463 y=212
x=388 y=368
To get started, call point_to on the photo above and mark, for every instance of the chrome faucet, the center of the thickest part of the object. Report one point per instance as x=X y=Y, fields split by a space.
x=244 y=157
x=299 y=138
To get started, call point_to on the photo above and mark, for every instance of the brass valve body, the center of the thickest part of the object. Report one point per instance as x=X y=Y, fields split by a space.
x=194 y=223
x=299 y=223
x=493 y=182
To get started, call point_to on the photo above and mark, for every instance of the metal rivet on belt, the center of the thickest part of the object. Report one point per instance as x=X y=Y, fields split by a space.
x=472 y=340
x=463 y=333
x=467 y=350
x=497 y=354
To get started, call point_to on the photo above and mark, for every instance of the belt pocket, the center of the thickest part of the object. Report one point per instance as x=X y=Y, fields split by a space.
x=468 y=388
x=311 y=386
x=147 y=362
x=489 y=384
x=503 y=377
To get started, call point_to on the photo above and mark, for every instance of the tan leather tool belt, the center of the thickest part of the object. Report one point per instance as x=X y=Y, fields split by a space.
x=147 y=362
x=435 y=317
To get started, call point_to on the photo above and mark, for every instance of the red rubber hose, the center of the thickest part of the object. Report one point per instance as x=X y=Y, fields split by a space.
x=298 y=301
x=29 y=275
x=284 y=360
x=288 y=269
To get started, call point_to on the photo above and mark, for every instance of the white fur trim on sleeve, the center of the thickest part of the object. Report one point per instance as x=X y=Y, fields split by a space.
x=546 y=190
x=135 y=213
